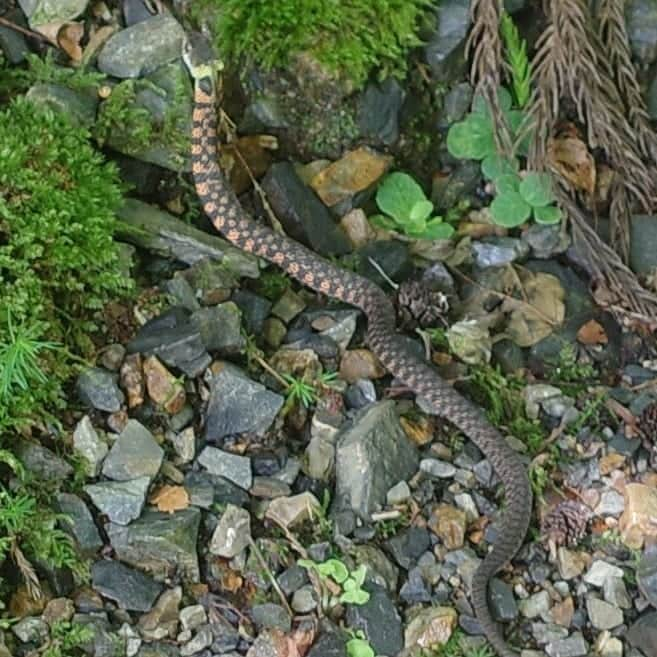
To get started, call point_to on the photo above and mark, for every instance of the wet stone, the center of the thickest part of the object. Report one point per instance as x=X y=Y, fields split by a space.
x=129 y=588
x=135 y=454
x=160 y=543
x=234 y=468
x=379 y=620
x=98 y=389
x=81 y=526
x=238 y=405
x=142 y=48
x=503 y=603
x=220 y=328
x=120 y=501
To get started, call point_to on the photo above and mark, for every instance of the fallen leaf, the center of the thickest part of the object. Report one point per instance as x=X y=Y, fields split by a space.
x=170 y=498
x=69 y=37
x=592 y=333
x=254 y=151
x=538 y=311
x=570 y=156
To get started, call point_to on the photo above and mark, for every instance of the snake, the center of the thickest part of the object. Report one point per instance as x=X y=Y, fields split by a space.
x=223 y=208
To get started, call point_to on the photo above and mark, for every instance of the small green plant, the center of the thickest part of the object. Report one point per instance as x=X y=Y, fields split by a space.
x=350 y=582
x=567 y=368
x=359 y=646
x=299 y=391
x=520 y=69
x=350 y=38
x=455 y=647
x=67 y=639
x=406 y=209
x=272 y=284
x=517 y=197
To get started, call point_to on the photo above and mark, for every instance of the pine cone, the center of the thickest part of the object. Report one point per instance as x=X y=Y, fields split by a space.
x=420 y=306
x=566 y=523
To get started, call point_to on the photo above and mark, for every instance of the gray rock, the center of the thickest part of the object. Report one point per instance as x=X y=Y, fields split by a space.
x=546 y=241
x=142 y=48
x=600 y=571
x=233 y=467
x=535 y=605
x=79 y=107
x=80 y=524
x=42 y=12
x=407 y=546
x=238 y=405
x=643 y=239
x=456 y=105
x=98 y=389
x=269 y=616
x=255 y=310
x=437 y=468
x=159 y=649
x=90 y=447
x=503 y=603
x=303 y=216
x=399 y=493
x=646 y=576
x=12 y=43
x=201 y=641
x=294 y=510
x=185 y=445
x=160 y=543
x=390 y=255
x=329 y=644
x=192 y=617
x=180 y=289
x=379 y=620
x=573 y=646
x=41 y=462
x=444 y=50
x=380 y=570
x=304 y=600
x=641 y=20
x=612 y=503
x=360 y=394
x=134 y=454
x=220 y=328
x=603 y=616
x=372 y=455
x=120 y=501
x=31 y=630
x=165 y=235
x=615 y=593
x=643 y=634
x=129 y=588
x=232 y=534
x=378 y=116
x=292 y=579
x=499 y=251
x=414 y=589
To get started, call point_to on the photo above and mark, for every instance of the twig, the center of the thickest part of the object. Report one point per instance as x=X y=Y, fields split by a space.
x=274 y=583
x=23 y=30
x=381 y=271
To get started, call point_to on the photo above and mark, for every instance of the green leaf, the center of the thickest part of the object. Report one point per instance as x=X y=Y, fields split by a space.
x=335 y=569
x=549 y=214
x=397 y=195
x=471 y=139
x=307 y=564
x=359 y=648
x=459 y=141
x=480 y=105
x=496 y=165
x=359 y=574
x=507 y=183
x=536 y=189
x=421 y=210
x=355 y=597
x=381 y=221
x=436 y=229
x=510 y=209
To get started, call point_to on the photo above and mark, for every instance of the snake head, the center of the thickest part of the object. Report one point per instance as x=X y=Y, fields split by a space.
x=199 y=57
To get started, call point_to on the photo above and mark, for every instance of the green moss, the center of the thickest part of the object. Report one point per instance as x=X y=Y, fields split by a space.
x=58 y=262
x=352 y=38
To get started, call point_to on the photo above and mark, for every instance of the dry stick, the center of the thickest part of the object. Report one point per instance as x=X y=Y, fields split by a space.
x=274 y=583
x=23 y=30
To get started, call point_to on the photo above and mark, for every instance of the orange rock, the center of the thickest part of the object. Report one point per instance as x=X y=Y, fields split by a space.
x=639 y=520
x=163 y=388
x=360 y=364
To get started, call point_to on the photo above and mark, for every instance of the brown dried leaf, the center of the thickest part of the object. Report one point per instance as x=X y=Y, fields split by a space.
x=570 y=156
x=592 y=333
x=69 y=37
x=170 y=499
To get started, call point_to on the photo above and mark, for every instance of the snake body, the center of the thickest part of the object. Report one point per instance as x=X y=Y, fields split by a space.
x=224 y=210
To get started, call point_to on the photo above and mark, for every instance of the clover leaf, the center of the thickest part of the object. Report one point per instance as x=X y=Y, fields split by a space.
x=359 y=648
x=550 y=214
x=496 y=165
x=509 y=209
x=536 y=189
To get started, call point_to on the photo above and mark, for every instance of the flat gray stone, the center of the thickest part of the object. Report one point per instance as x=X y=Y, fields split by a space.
x=89 y=446
x=129 y=588
x=239 y=405
x=233 y=467
x=373 y=454
x=220 y=328
x=232 y=534
x=142 y=48
x=162 y=544
x=120 y=501
x=97 y=388
x=643 y=634
x=41 y=462
x=81 y=526
x=135 y=454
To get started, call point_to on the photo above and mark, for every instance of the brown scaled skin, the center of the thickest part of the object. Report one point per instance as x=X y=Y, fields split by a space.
x=228 y=217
